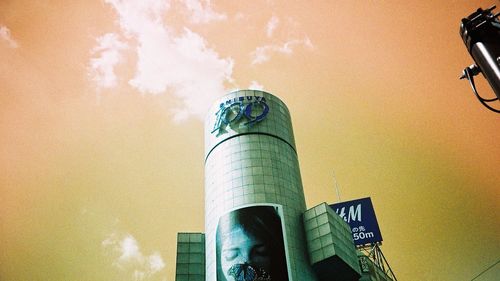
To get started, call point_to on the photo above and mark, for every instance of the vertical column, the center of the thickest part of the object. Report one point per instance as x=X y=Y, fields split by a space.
x=254 y=198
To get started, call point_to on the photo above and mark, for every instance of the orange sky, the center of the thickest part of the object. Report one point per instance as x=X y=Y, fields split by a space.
x=101 y=146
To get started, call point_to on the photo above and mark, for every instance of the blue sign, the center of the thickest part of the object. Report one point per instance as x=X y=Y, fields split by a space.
x=253 y=108
x=360 y=216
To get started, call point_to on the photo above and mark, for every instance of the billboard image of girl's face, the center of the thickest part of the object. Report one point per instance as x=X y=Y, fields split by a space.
x=250 y=247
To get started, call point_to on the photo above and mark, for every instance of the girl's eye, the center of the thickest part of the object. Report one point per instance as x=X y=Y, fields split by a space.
x=230 y=255
x=261 y=250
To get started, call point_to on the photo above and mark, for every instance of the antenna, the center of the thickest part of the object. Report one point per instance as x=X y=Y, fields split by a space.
x=336 y=187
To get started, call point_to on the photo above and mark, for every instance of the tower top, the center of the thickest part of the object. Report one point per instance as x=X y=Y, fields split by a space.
x=247 y=112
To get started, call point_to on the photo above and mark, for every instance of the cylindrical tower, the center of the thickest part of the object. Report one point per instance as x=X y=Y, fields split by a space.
x=254 y=198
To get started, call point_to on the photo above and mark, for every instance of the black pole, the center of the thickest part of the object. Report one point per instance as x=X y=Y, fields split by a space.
x=480 y=32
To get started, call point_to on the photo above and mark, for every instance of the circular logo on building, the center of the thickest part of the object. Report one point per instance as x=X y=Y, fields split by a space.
x=240 y=112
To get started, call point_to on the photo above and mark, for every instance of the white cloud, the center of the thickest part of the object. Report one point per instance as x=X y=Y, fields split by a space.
x=108 y=51
x=128 y=257
x=202 y=13
x=254 y=85
x=185 y=65
x=6 y=36
x=263 y=54
x=180 y=64
x=156 y=262
x=137 y=16
x=271 y=26
x=129 y=249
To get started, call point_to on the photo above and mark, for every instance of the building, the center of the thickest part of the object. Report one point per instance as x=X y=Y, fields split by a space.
x=256 y=223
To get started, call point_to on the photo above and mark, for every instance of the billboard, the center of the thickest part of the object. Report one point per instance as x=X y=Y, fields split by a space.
x=250 y=245
x=360 y=216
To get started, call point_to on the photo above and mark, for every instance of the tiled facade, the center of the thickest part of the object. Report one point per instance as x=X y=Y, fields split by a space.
x=190 y=264
x=331 y=248
x=248 y=165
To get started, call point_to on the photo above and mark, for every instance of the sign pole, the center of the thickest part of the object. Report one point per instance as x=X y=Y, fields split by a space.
x=336 y=187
